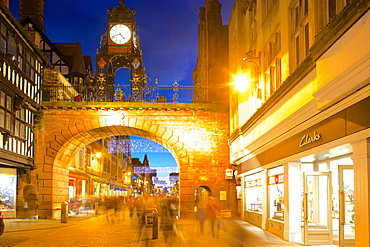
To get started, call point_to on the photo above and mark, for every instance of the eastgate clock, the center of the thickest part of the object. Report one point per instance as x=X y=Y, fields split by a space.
x=120 y=34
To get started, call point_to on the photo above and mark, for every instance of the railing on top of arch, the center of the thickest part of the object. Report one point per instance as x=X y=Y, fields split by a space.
x=174 y=93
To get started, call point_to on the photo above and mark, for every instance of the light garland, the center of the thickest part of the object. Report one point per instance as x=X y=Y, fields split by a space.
x=135 y=146
x=163 y=169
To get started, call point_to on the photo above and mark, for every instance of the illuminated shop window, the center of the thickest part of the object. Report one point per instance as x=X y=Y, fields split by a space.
x=276 y=192
x=253 y=192
x=8 y=184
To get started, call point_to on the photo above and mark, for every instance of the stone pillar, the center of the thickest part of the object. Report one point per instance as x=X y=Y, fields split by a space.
x=361 y=160
x=293 y=202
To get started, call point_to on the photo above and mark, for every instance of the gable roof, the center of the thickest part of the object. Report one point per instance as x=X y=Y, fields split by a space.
x=73 y=56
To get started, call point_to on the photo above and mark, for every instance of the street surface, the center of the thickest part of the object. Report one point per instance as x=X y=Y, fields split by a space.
x=121 y=230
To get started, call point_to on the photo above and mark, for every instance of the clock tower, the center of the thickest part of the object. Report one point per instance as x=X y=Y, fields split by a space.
x=120 y=48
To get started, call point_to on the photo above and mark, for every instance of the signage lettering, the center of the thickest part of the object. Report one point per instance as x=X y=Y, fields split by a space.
x=307 y=139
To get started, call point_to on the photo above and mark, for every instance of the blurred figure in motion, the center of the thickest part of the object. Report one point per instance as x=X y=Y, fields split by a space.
x=174 y=203
x=140 y=206
x=131 y=205
x=201 y=215
x=213 y=213
x=167 y=222
x=111 y=207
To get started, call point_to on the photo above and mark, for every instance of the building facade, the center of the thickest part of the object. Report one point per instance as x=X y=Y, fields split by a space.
x=21 y=77
x=99 y=170
x=211 y=70
x=298 y=118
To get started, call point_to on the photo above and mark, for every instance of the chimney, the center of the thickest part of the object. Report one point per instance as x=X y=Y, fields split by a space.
x=34 y=9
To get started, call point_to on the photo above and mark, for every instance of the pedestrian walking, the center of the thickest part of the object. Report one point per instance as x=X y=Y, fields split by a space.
x=201 y=215
x=131 y=205
x=167 y=222
x=140 y=206
x=213 y=213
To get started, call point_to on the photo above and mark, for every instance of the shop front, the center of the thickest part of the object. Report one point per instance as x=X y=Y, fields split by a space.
x=303 y=189
x=309 y=200
x=79 y=185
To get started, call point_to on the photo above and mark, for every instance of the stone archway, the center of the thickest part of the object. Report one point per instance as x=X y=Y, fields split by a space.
x=197 y=138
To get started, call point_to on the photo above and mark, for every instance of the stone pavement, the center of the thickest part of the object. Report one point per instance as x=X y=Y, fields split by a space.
x=233 y=233
x=120 y=230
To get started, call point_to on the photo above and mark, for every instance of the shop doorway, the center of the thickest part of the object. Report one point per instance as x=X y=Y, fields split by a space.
x=346 y=206
x=317 y=208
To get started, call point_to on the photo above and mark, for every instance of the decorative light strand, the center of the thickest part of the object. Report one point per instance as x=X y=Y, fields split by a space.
x=135 y=146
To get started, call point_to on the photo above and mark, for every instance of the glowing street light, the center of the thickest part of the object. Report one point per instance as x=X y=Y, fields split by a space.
x=244 y=78
x=241 y=82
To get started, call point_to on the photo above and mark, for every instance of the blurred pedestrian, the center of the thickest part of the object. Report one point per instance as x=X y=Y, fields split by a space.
x=111 y=207
x=213 y=213
x=140 y=206
x=167 y=222
x=32 y=203
x=131 y=205
x=174 y=204
x=201 y=215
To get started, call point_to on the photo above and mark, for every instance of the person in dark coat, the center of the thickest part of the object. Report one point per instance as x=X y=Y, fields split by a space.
x=167 y=222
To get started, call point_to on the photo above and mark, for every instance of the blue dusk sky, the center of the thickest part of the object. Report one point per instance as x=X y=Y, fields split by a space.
x=168 y=31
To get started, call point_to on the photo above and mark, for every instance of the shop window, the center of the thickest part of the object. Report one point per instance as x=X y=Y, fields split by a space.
x=88 y=157
x=8 y=185
x=81 y=159
x=276 y=192
x=253 y=192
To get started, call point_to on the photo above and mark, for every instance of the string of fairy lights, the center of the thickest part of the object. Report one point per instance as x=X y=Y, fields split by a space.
x=142 y=145
x=135 y=146
x=162 y=169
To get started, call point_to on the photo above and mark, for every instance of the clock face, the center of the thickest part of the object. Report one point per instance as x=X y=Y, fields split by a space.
x=120 y=34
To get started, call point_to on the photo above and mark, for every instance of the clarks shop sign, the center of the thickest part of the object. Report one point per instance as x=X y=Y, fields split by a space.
x=307 y=139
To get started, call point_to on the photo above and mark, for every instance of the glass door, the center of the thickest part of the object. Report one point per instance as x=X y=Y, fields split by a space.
x=317 y=208
x=346 y=207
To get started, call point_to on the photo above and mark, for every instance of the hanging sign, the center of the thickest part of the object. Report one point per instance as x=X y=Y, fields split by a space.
x=229 y=173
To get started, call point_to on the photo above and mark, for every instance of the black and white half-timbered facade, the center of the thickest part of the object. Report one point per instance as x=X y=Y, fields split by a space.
x=21 y=76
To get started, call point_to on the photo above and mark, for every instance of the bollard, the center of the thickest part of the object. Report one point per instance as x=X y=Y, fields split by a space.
x=96 y=208
x=64 y=213
x=155 y=224
x=2 y=225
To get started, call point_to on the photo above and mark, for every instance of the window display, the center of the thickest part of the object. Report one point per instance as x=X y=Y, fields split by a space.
x=8 y=182
x=253 y=192
x=276 y=193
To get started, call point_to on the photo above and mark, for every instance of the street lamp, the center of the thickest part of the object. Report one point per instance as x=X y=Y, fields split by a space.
x=243 y=80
